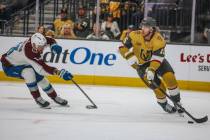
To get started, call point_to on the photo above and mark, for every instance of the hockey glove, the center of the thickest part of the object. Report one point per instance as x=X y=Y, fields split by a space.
x=65 y=75
x=55 y=48
x=150 y=74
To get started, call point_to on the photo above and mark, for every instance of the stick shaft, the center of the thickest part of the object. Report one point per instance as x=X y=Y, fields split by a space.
x=84 y=93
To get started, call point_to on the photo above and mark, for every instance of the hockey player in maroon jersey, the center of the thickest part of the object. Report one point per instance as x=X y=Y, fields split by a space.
x=25 y=62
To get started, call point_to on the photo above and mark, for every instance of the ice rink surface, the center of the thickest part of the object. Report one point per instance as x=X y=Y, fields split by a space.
x=123 y=114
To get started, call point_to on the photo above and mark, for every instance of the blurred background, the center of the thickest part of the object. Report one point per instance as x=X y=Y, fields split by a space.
x=179 y=21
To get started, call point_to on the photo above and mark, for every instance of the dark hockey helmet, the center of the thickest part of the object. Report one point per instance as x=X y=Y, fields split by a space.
x=149 y=21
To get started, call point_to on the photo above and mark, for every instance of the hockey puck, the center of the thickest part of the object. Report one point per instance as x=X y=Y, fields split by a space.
x=91 y=107
x=190 y=122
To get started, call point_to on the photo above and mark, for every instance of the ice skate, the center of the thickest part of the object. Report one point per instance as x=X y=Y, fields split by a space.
x=61 y=101
x=167 y=107
x=177 y=99
x=42 y=103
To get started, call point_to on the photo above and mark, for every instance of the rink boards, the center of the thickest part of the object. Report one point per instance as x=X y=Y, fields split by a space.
x=98 y=62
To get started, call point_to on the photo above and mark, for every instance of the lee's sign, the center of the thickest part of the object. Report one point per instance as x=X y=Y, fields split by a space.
x=195 y=58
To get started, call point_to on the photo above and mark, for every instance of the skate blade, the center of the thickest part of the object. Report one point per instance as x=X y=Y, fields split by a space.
x=47 y=107
x=65 y=105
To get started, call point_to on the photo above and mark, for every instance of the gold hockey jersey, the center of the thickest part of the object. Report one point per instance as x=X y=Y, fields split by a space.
x=137 y=51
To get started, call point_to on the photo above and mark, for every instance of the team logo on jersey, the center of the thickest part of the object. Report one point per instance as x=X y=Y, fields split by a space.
x=145 y=55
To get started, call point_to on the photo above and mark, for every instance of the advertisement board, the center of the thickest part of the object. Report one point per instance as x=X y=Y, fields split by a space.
x=101 y=58
x=191 y=63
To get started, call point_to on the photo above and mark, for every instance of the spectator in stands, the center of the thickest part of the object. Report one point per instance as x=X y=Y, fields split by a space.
x=126 y=32
x=101 y=34
x=126 y=14
x=199 y=37
x=110 y=27
x=82 y=24
x=81 y=16
x=5 y=12
x=138 y=16
x=2 y=6
x=41 y=29
x=138 y=2
x=60 y=21
x=67 y=32
x=50 y=33
x=206 y=34
x=104 y=10
x=11 y=6
x=104 y=1
x=46 y=31
x=2 y=16
x=114 y=8
x=102 y=15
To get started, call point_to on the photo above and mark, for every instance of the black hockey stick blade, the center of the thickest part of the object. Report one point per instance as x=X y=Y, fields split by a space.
x=91 y=107
x=201 y=120
x=197 y=120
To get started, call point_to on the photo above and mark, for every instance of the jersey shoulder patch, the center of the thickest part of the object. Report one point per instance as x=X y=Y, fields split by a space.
x=158 y=41
x=135 y=33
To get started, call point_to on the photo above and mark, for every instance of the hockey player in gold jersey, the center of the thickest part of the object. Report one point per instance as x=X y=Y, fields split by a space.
x=145 y=51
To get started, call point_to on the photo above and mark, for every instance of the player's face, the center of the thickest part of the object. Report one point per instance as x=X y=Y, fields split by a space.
x=38 y=49
x=130 y=30
x=145 y=30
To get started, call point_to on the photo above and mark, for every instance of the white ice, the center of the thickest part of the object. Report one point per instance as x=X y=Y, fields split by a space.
x=122 y=114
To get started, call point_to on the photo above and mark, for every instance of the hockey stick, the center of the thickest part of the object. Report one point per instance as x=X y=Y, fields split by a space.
x=197 y=120
x=93 y=106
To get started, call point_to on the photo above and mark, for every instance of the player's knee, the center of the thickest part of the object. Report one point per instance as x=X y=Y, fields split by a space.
x=169 y=76
x=29 y=75
x=152 y=85
x=44 y=83
x=170 y=80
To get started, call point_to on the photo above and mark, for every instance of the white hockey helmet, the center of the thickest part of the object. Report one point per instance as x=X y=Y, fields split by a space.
x=39 y=40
